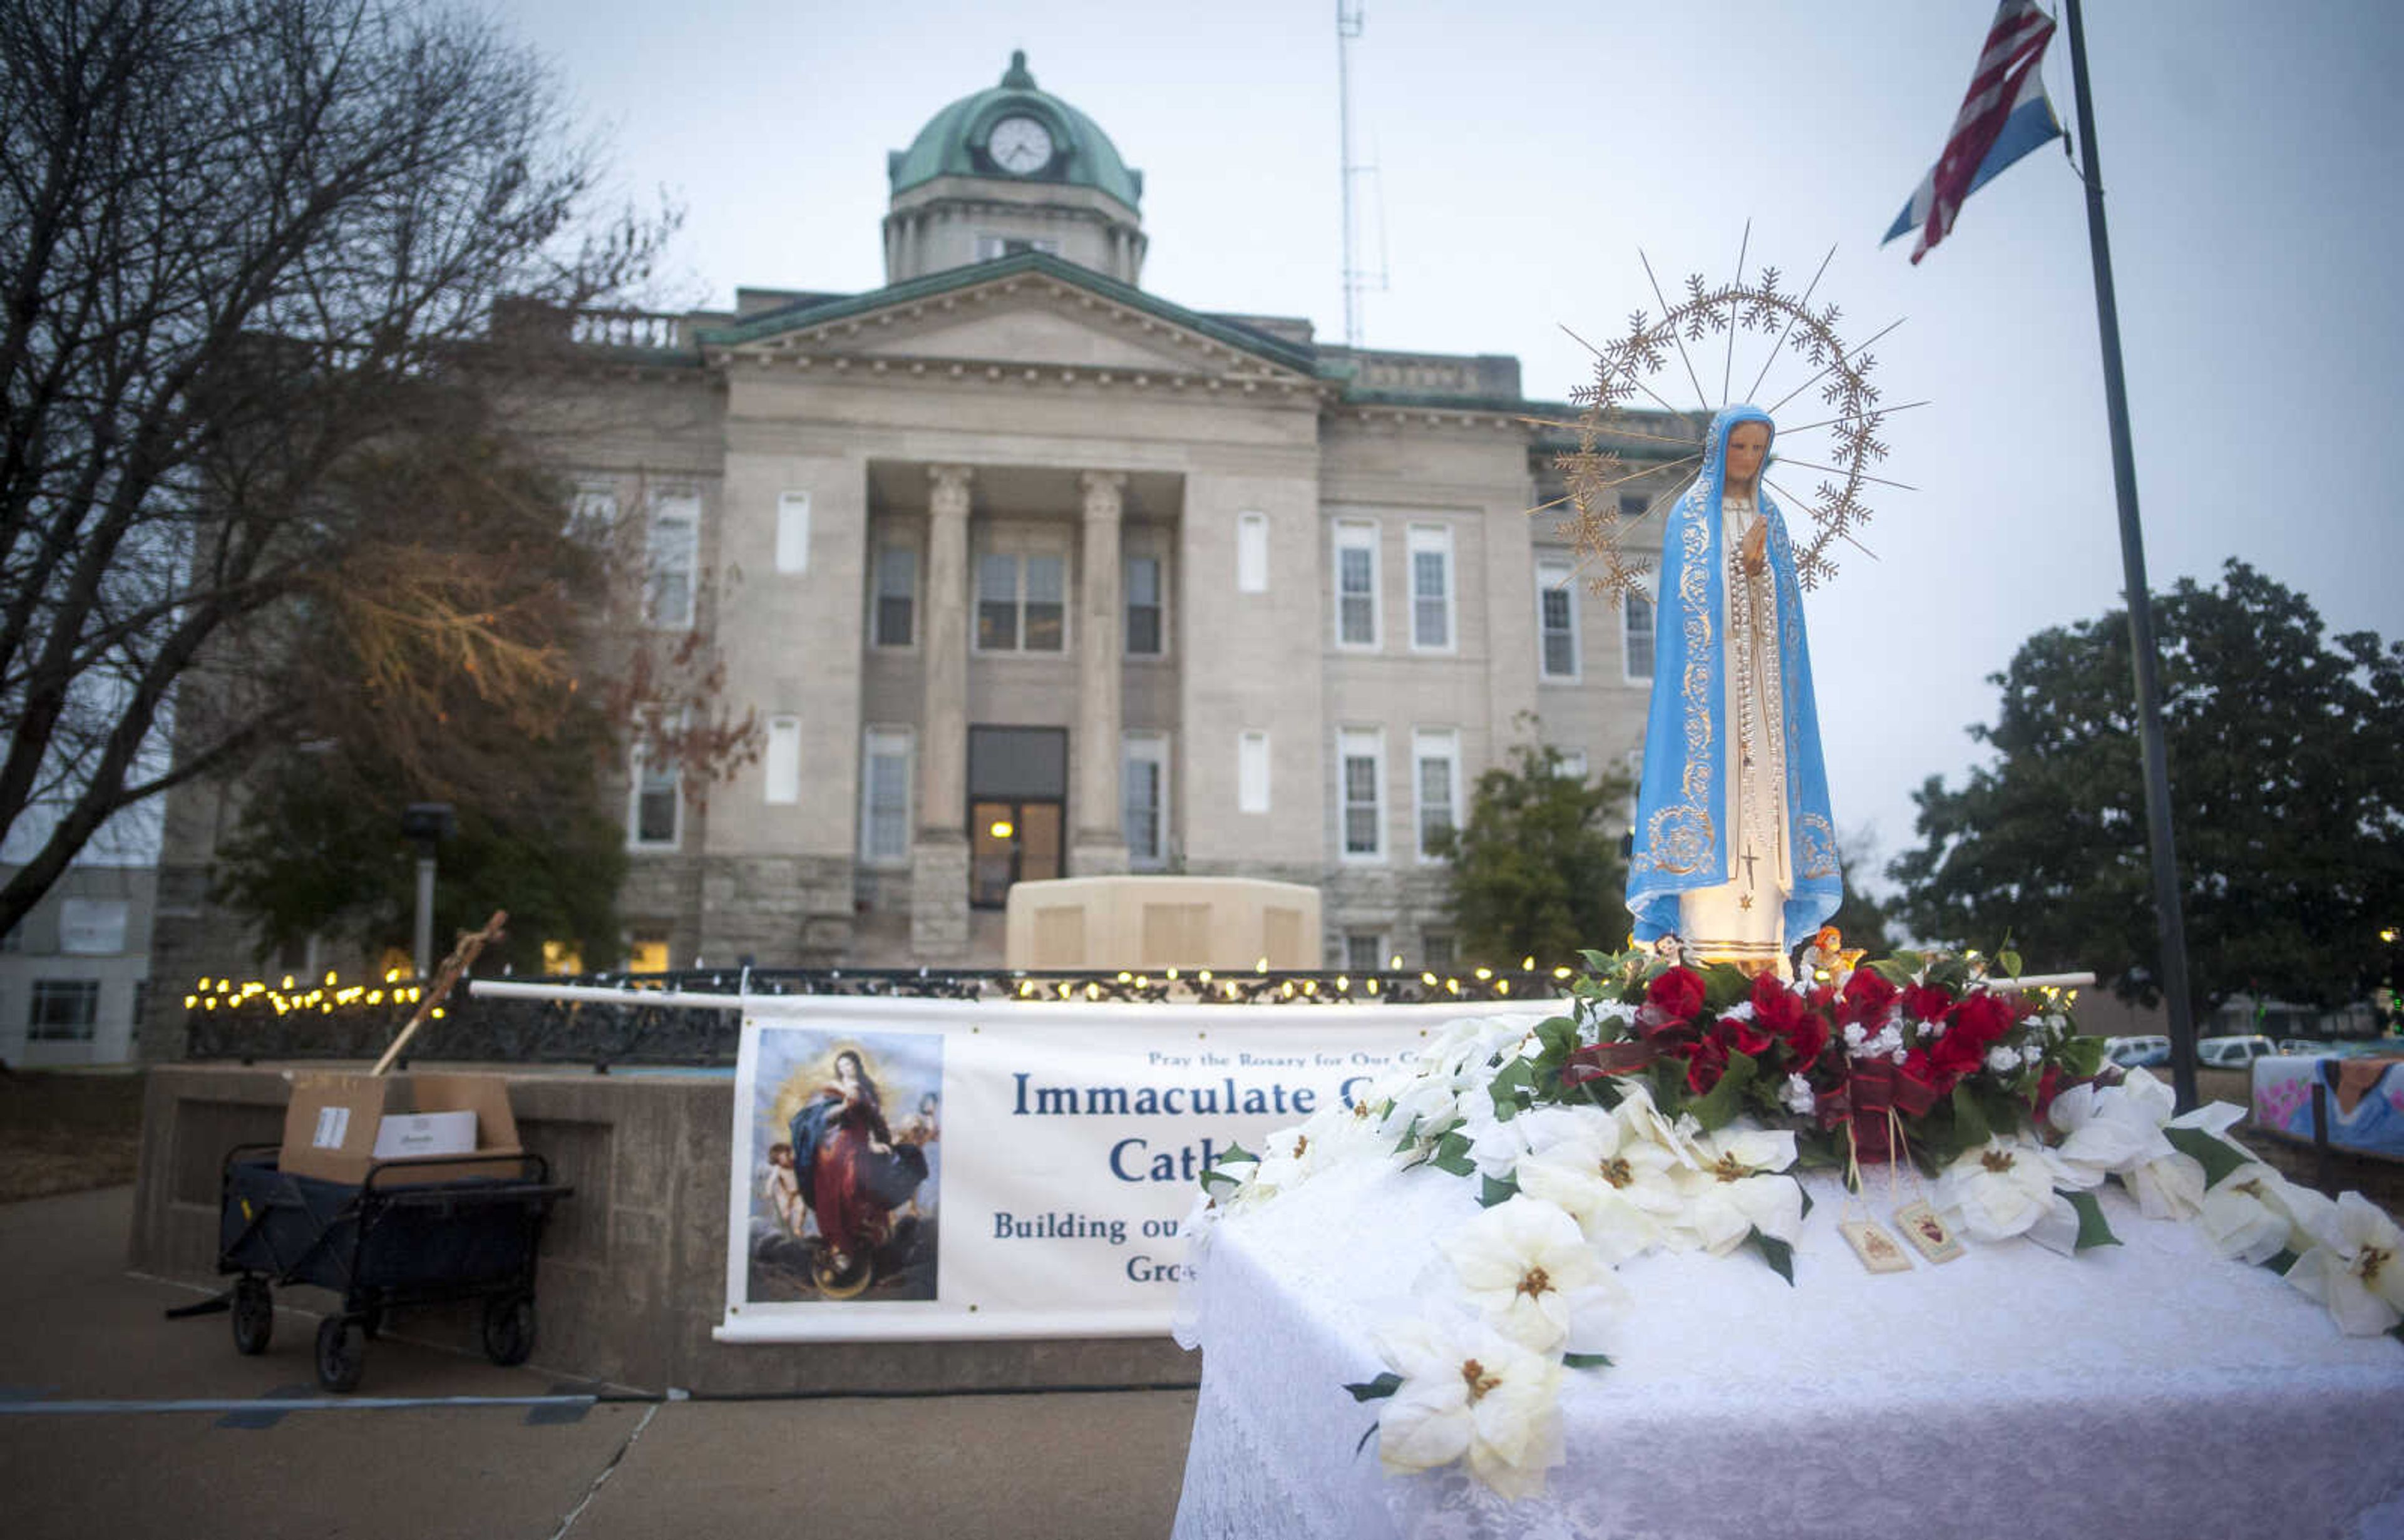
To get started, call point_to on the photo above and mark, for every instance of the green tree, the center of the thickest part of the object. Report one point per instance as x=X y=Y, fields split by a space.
x=319 y=852
x=1862 y=918
x=395 y=710
x=2287 y=767
x=1537 y=869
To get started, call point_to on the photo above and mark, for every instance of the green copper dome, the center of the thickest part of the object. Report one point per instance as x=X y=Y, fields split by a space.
x=955 y=143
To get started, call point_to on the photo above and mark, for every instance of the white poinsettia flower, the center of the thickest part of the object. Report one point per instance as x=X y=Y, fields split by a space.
x=1528 y=1271
x=1287 y=1157
x=2169 y=1186
x=1342 y=1132
x=1467 y=1046
x=1642 y=1120
x=1734 y=1188
x=2057 y=1228
x=2356 y=1267
x=1615 y=1183
x=2004 y=1187
x=1495 y=1144
x=2254 y=1213
x=2107 y=1131
x=1469 y=1390
x=2172 y=1185
x=1428 y=1103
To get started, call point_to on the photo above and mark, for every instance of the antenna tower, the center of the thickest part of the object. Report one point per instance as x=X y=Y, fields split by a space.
x=1347 y=28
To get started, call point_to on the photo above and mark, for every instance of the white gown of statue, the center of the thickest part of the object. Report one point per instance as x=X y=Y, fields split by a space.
x=1742 y=920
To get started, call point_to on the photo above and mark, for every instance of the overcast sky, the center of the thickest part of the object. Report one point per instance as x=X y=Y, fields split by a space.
x=1526 y=153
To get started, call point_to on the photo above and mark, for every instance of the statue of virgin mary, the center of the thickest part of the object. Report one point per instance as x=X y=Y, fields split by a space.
x=1735 y=851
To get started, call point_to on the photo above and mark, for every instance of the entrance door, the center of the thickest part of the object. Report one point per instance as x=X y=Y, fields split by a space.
x=1018 y=794
x=1011 y=842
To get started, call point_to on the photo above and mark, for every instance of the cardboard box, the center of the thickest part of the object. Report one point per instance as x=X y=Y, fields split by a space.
x=402 y=1135
x=332 y=1122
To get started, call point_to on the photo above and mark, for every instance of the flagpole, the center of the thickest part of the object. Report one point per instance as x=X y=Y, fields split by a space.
x=2141 y=612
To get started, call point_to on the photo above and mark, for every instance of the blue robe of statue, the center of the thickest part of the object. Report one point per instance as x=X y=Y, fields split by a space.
x=1683 y=839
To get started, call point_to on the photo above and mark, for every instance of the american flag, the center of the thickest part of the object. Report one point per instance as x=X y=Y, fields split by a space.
x=2005 y=115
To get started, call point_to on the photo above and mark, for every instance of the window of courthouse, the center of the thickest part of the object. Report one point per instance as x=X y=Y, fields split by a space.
x=1356 y=585
x=1143 y=796
x=1636 y=628
x=651 y=804
x=1556 y=618
x=673 y=563
x=885 y=797
x=893 y=613
x=1147 y=609
x=1361 y=775
x=64 y=1010
x=1022 y=592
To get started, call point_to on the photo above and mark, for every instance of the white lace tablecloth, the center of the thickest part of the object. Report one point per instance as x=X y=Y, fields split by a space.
x=2148 y=1389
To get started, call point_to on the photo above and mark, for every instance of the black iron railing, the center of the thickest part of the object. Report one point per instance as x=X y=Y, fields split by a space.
x=652 y=1019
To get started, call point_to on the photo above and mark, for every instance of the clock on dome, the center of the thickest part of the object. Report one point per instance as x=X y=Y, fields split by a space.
x=1020 y=145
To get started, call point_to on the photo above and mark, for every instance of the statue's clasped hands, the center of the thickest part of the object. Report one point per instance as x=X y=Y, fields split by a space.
x=1756 y=542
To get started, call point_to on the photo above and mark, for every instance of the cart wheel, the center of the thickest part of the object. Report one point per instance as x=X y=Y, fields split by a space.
x=340 y=1355
x=254 y=1315
x=372 y=1322
x=509 y=1328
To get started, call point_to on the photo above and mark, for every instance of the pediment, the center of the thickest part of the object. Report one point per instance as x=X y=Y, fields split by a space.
x=1032 y=333
x=1026 y=320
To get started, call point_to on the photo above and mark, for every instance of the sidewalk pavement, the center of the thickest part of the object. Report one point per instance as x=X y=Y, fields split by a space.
x=117 y=1421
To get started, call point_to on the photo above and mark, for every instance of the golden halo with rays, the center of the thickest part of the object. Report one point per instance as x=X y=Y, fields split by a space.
x=1627 y=368
x=802 y=1084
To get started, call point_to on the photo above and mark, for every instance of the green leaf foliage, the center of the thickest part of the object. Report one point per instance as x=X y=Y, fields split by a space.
x=2217 y=1157
x=1513 y=1087
x=1559 y=1036
x=2283 y=1262
x=1586 y=1360
x=1491 y=1191
x=2282 y=743
x=1536 y=869
x=1969 y=1118
x=1777 y=1252
x=318 y=849
x=2082 y=1057
x=2092 y=1229
x=1378 y=1389
x=1722 y=1101
x=1723 y=985
x=1452 y=1155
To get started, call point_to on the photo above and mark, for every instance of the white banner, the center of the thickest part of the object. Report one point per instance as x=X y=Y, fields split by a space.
x=920 y=1169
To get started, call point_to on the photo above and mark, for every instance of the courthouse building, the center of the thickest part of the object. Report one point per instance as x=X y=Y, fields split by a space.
x=1030 y=572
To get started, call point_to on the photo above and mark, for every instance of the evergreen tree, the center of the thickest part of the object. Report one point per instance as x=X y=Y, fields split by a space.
x=1537 y=870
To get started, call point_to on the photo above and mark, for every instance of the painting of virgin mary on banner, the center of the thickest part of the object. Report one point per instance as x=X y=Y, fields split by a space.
x=843 y=1203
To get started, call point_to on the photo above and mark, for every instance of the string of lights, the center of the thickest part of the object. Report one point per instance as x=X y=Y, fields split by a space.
x=258 y=1019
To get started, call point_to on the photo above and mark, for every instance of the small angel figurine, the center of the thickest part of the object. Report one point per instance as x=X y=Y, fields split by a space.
x=1827 y=960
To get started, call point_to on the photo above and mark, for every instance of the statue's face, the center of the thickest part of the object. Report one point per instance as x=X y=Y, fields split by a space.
x=1748 y=442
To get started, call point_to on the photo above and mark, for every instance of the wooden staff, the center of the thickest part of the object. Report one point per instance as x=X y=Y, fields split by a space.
x=462 y=958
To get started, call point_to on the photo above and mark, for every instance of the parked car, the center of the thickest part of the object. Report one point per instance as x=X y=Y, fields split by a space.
x=2233 y=1053
x=2306 y=1047
x=2137 y=1053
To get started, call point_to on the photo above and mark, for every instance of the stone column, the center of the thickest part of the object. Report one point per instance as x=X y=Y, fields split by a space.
x=1099 y=843
x=939 y=859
